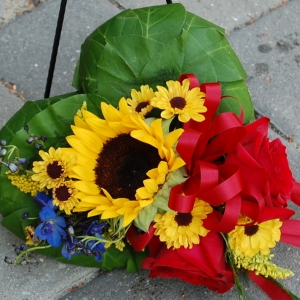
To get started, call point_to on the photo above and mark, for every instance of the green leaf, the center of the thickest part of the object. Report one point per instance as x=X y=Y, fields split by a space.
x=14 y=223
x=238 y=93
x=29 y=109
x=112 y=258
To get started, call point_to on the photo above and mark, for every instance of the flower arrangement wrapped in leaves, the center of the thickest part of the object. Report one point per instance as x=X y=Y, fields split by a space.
x=143 y=167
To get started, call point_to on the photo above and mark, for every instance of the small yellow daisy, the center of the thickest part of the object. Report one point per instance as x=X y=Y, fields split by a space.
x=179 y=100
x=54 y=169
x=140 y=100
x=64 y=196
x=256 y=238
x=182 y=229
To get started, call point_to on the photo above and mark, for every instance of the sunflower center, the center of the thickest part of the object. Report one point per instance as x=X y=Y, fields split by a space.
x=178 y=102
x=122 y=165
x=62 y=193
x=141 y=105
x=55 y=170
x=183 y=219
x=251 y=230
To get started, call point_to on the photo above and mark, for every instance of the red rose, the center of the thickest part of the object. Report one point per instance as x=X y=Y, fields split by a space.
x=264 y=164
x=204 y=264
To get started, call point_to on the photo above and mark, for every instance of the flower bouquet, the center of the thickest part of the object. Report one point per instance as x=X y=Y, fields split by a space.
x=144 y=167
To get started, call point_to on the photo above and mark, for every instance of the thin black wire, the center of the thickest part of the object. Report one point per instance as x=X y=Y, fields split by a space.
x=59 y=25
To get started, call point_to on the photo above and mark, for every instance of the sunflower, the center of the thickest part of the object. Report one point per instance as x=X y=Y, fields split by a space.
x=182 y=229
x=121 y=162
x=64 y=196
x=31 y=239
x=140 y=100
x=54 y=169
x=249 y=240
x=179 y=100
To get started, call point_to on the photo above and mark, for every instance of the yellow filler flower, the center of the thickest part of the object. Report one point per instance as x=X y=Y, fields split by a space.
x=179 y=100
x=182 y=229
x=121 y=162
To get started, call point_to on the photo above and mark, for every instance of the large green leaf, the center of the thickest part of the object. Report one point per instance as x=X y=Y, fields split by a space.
x=155 y=44
x=141 y=22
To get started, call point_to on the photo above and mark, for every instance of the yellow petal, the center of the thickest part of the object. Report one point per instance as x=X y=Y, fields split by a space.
x=88 y=138
x=109 y=213
x=84 y=173
x=178 y=163
x=150 y=185
x=80 y=148
x=110 y=113
x=80 y=123
x=101 y=127
x=173 y=137
x=85 y=161
x=87 y=187
x=142 y=136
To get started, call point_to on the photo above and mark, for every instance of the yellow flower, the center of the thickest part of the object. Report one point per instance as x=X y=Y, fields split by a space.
x=24 y=183
x=179 y=100
x=256 y=238
x=182 y=229
x=261 y=265
x=64 y=196
x=54 y=169
x=31 y=239
x=121 y=162
x=140 y=100
x=79 y=111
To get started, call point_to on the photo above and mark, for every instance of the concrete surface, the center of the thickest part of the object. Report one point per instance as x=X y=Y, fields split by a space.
x=10 y=9
x=265 y=36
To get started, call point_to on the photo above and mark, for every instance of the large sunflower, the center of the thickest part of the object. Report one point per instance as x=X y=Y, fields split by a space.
x=182 y=229
x=249 y=239
x=179 y=100
x=121 y=161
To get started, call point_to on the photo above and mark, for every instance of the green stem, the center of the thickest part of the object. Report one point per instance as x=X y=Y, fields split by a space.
x=30 y=250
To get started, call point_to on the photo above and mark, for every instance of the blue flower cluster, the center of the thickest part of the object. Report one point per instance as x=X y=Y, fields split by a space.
x=75 y=246
x=52 y=228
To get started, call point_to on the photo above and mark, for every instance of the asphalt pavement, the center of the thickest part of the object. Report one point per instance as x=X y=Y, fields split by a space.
x=265 y=35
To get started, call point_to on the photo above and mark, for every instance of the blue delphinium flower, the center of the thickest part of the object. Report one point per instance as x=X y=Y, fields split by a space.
x=95 y=229
x=44 y=200
x=92 y=247
x=50 y=228
x=96 y=249
x=71 y=248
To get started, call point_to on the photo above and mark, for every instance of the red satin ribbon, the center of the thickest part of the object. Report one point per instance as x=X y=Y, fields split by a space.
x=290 y=232
x=139 y=240
x=270 y=288
x=295 y=195
x=200 y=146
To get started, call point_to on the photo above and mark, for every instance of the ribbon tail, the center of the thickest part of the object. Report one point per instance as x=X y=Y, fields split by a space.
x=295 y=195
x=290 y=232
x=273 y=290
